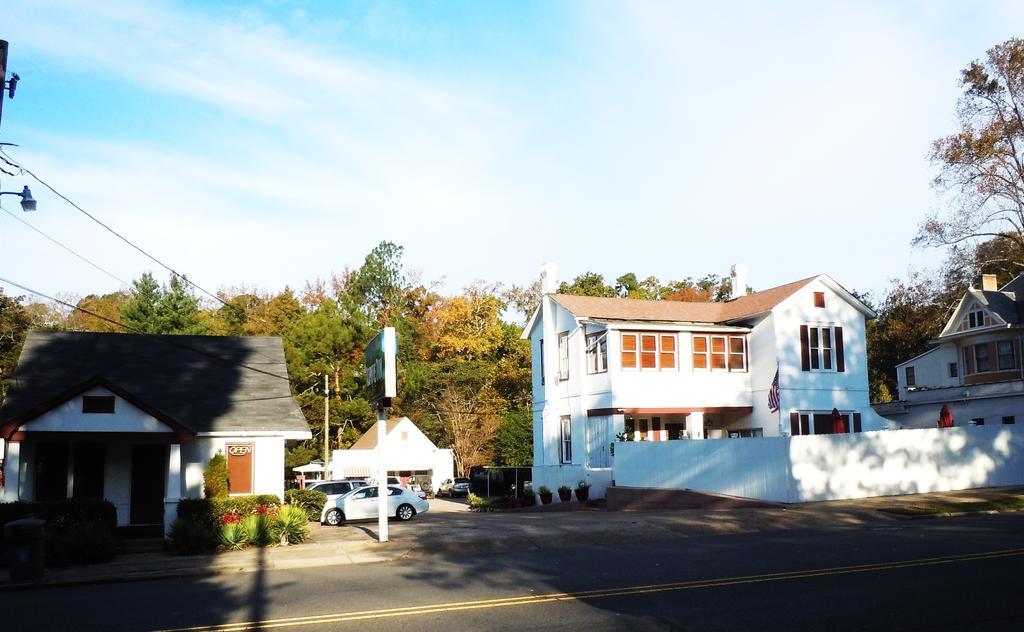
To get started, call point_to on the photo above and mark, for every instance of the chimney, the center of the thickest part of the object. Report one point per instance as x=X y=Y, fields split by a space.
x=739 y=281
x=548 y=278
x=989 y=282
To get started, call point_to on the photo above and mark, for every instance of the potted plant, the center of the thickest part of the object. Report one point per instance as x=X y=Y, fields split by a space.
x=545 y=494
x=582 y=491
x=564 y=493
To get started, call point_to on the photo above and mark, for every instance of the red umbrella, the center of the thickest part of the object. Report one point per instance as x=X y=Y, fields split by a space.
x=838 y=425
x=945 y=417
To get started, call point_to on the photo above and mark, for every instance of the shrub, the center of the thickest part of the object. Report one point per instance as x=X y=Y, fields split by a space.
x=233 y=536
x=564 y=488
x=544 y=489
x=310 y=500
x=199 y=509
x=292 y=524
x=82 y=543
x=215 y=477
x=191 y=536
x=257 y=527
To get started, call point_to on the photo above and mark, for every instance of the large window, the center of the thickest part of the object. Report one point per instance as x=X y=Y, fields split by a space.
x=563 y=355
x=597 y=352
x=981 y=363
x=720 y=353
x=565 y=453
x=648 y=351
x=1004 y=353
x=821 y=348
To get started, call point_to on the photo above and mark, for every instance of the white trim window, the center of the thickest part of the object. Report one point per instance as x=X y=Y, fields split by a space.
x=718 y=353
x=976 y=318
x=820 y=347
x=563 y=356
x=597 y=352
x=565 y=440
x=649 y=351
x=1005 y=359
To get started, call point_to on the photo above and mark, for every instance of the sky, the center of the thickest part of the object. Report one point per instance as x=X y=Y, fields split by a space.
x=265 y=144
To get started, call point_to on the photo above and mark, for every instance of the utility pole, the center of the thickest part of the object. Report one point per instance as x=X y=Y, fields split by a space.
x=327 y=423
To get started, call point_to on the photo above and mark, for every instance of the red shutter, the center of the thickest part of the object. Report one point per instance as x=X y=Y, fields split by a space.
x=805 y=354
x=840 y=360
x=856 y=422
x=794 y=424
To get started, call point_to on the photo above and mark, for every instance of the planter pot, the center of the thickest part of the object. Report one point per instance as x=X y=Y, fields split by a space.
x=565 y=496
x=546 y=498
x=582 y=494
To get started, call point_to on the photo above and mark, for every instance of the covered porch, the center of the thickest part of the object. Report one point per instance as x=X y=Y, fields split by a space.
x=672 y=424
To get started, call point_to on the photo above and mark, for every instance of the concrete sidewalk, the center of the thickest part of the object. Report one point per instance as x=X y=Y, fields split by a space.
x=454 y=530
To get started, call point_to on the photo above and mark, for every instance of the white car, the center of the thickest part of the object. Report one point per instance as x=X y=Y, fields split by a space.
x=361 y=504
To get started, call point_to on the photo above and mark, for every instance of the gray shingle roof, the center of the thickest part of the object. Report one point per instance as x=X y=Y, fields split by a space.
x=205 y=383
x=999 y=303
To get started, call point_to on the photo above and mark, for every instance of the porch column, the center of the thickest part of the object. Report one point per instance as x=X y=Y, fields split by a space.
x=12 y=469
x=173 y=485
x=695 y=425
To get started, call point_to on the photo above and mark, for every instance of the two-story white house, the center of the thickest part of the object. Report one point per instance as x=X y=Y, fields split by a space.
x=975 y=366
x=667 y=370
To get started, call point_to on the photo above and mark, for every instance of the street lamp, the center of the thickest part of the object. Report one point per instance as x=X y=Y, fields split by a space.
x=28 y=203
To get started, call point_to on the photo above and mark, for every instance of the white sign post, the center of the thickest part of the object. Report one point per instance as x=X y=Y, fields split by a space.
x=381 y=386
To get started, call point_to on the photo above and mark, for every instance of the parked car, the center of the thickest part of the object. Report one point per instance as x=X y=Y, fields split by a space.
x=333 y=489
x=456 y=487
x=361 y=504
x=392 y=480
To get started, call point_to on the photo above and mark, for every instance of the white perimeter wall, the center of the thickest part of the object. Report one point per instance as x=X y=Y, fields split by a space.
x=829 y=467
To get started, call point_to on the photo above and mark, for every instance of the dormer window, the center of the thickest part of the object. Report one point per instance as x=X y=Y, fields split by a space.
x=98 y=404
x=976 y=319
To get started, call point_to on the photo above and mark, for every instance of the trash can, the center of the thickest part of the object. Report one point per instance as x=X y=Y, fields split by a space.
x=23 y=541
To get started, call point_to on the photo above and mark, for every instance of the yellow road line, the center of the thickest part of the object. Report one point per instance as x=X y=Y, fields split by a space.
x=593 y=594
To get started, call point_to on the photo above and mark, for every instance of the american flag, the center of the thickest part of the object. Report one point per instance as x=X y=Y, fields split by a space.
x=773 y=393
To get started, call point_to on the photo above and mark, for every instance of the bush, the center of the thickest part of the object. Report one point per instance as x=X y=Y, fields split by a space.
x=62 y=516
x=191 y=536
x=82 y=543
x=233 y=537
x=199 y=509
x=292 y=524
x=215 y=477
x=257 y=527
x=310 y=500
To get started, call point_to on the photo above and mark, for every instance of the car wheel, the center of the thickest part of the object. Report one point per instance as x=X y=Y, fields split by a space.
x=334 y=517
x=405 y=512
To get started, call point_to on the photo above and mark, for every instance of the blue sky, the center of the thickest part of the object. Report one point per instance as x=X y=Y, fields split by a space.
x=267 y=143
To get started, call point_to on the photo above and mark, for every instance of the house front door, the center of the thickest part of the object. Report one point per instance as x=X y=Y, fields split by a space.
x=149 y=474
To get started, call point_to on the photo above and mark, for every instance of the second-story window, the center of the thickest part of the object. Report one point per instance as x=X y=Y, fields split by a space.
x=597 y=352
x=911 y=379
x=1004 y=353
x=563 y=355
x=720 y=353
x=981 y=358
x=648 y=351
x=821 y=348
x=953 y=370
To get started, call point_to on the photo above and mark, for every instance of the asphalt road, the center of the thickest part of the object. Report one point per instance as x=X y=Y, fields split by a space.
x=949 y=573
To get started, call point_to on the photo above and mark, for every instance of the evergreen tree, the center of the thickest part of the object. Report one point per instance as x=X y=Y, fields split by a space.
x=177 y=311
x=140 y=313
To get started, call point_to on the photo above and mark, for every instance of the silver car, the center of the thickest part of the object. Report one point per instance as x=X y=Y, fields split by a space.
x=361 y=504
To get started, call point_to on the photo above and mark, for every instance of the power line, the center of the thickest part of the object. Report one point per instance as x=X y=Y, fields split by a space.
x=12 y=162
x=168 y=340
x=106 y=272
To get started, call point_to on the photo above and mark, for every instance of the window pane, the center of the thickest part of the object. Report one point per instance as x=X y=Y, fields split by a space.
x=815 y=361
x=735 y=344
x=700 y=343
x=668 y=360
x=648 y=342
x=813 y=332
x=629 y=342
x=668 y=343
x=628 y=360
x=648 y=360
x=717 y=360
x=700 y=361
x=718 y=344
x=826 y=337
x=736 y=362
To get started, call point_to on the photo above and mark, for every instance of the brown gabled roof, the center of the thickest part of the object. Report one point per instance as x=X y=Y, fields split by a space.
x=678 y=311
x=369 y=439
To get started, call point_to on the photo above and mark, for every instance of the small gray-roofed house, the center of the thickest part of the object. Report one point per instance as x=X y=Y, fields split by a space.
x=136 y=418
